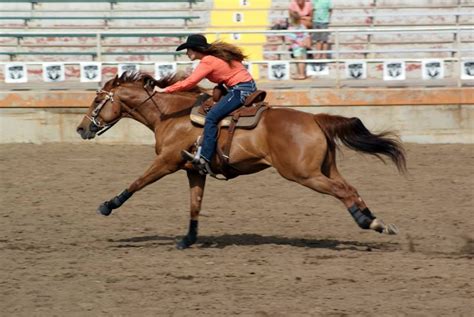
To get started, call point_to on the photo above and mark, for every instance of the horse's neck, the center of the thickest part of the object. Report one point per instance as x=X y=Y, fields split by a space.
x=175 y=104
x=147 y=114
x=163 y=107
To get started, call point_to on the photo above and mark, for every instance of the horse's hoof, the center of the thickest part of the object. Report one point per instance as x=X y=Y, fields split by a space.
x=185 y=243
x=104 y=209
x=181 y=245
x=391 y=229
x=379 y=226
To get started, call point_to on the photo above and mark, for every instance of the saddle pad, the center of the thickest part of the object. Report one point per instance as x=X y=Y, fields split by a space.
x=243 y=123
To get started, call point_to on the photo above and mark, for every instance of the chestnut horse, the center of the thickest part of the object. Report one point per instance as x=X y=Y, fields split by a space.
x=301 y=146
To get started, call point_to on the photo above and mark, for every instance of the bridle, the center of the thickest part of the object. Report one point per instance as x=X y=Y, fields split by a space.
x=109 y=95
x=95 y=113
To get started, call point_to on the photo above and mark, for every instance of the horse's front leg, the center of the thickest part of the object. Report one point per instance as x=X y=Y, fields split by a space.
x=157 y=170
x=196 y=186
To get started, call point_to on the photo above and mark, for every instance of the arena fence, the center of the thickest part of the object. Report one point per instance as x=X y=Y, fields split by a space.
x=426 y=111
x=458 y=57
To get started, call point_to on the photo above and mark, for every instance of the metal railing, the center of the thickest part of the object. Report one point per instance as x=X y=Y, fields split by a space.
x=33 y=2
x=99 y=36
x=457 y=52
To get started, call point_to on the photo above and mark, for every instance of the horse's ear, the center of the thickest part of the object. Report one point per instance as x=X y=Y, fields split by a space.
x=149 y=82
x=122 y=77
x=116 y=81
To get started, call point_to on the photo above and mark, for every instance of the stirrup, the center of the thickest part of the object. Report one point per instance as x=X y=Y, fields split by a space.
x=193 y=158
x=187 y=156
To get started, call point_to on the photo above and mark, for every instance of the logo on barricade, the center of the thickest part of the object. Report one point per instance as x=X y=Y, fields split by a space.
x=16 y=73
x=432 y=69
x=53 y=72
x=163 y=70
x=394 y=70
x=91 y=72
x=279 y=70
x=356 y=70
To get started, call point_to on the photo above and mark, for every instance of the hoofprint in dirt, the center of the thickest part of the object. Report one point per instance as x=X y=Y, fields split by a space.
x=267 y=247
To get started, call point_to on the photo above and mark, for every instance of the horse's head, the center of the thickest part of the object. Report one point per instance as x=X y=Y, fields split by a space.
x=104 y=111
x=125 y=96
x=110 y=103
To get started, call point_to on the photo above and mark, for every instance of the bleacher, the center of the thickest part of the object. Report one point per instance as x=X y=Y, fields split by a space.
x=136 y=27
x=76 y=16
x=102 y=14
x=143 y=31
x=379 y=14
x=447 y=33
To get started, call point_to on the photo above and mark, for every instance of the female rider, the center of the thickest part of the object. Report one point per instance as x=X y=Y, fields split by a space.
x=220 y=63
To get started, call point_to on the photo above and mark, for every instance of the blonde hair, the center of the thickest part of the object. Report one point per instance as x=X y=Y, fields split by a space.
x=225 y=51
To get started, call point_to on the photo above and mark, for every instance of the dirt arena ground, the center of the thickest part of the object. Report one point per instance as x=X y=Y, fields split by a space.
x=277 y=250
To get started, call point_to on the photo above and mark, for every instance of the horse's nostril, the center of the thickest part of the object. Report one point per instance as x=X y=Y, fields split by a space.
x=80 y=130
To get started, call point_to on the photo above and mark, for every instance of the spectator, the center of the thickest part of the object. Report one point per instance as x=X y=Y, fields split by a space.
x=300 y=42
x=302 y=9
x=321 y=18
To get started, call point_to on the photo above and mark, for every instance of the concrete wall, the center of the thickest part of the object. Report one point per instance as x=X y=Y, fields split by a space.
x=438 y=115
x=59 y=125
x=418 y=124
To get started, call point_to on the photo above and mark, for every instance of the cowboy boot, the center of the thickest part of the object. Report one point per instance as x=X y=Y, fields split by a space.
x=203 y=166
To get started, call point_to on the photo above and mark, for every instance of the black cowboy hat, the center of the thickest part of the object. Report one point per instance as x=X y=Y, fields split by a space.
x=196 y=42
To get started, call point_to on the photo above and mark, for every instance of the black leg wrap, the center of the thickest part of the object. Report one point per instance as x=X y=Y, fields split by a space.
x=106 y=208
x=117 y=201
x=191 y=237
x=362 y=217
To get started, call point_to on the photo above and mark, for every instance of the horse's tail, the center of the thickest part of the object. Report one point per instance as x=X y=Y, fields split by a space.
x=353 y=134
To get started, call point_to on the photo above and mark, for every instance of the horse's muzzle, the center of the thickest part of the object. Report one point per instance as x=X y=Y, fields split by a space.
x=85 y=134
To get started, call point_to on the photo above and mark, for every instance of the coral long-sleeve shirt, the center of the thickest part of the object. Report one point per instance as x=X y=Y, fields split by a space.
x=216 y=70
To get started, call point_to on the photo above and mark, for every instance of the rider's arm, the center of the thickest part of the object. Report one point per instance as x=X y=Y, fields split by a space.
x=201 y=71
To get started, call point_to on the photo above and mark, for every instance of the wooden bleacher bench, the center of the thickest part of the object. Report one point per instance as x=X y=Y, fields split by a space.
x=155 y=50
x=104 y=18
x=89 y=53
x=106 y=1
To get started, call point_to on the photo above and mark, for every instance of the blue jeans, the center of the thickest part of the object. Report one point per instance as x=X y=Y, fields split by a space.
x=234 y=99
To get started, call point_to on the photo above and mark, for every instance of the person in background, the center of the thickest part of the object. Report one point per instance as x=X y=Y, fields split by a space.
x=302 y=9
x=220 y=63
x=300 y=42
x=321 y=17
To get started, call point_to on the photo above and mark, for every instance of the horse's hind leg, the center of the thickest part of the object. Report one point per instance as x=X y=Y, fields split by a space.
x=350 y=198
x=196 y=186
x=354 y=203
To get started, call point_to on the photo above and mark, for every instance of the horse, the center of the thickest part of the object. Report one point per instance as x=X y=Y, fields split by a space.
x=299 y=145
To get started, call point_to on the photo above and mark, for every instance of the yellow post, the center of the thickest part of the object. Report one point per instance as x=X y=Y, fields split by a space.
x=242 y=15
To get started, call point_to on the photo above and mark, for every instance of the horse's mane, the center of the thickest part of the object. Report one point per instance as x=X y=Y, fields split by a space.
x=148 y=80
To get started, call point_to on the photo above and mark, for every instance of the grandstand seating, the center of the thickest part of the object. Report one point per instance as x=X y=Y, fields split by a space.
x=151 y=14
x=142 y=30
x=148 y=18
x=398 y=13
x=371 y=14
x=138 y=35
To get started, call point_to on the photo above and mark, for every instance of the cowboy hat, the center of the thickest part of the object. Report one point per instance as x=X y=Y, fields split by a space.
x=195 y=42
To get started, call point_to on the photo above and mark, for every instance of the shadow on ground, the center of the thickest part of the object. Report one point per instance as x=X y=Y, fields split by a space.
x=227 y=240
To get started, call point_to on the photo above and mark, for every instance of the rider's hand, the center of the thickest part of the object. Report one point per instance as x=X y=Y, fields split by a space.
x=158 y=89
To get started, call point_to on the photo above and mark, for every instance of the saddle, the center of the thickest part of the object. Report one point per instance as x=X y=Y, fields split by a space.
x=246 y=117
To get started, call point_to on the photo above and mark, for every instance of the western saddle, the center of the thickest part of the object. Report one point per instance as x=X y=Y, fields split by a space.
x=246 y=117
